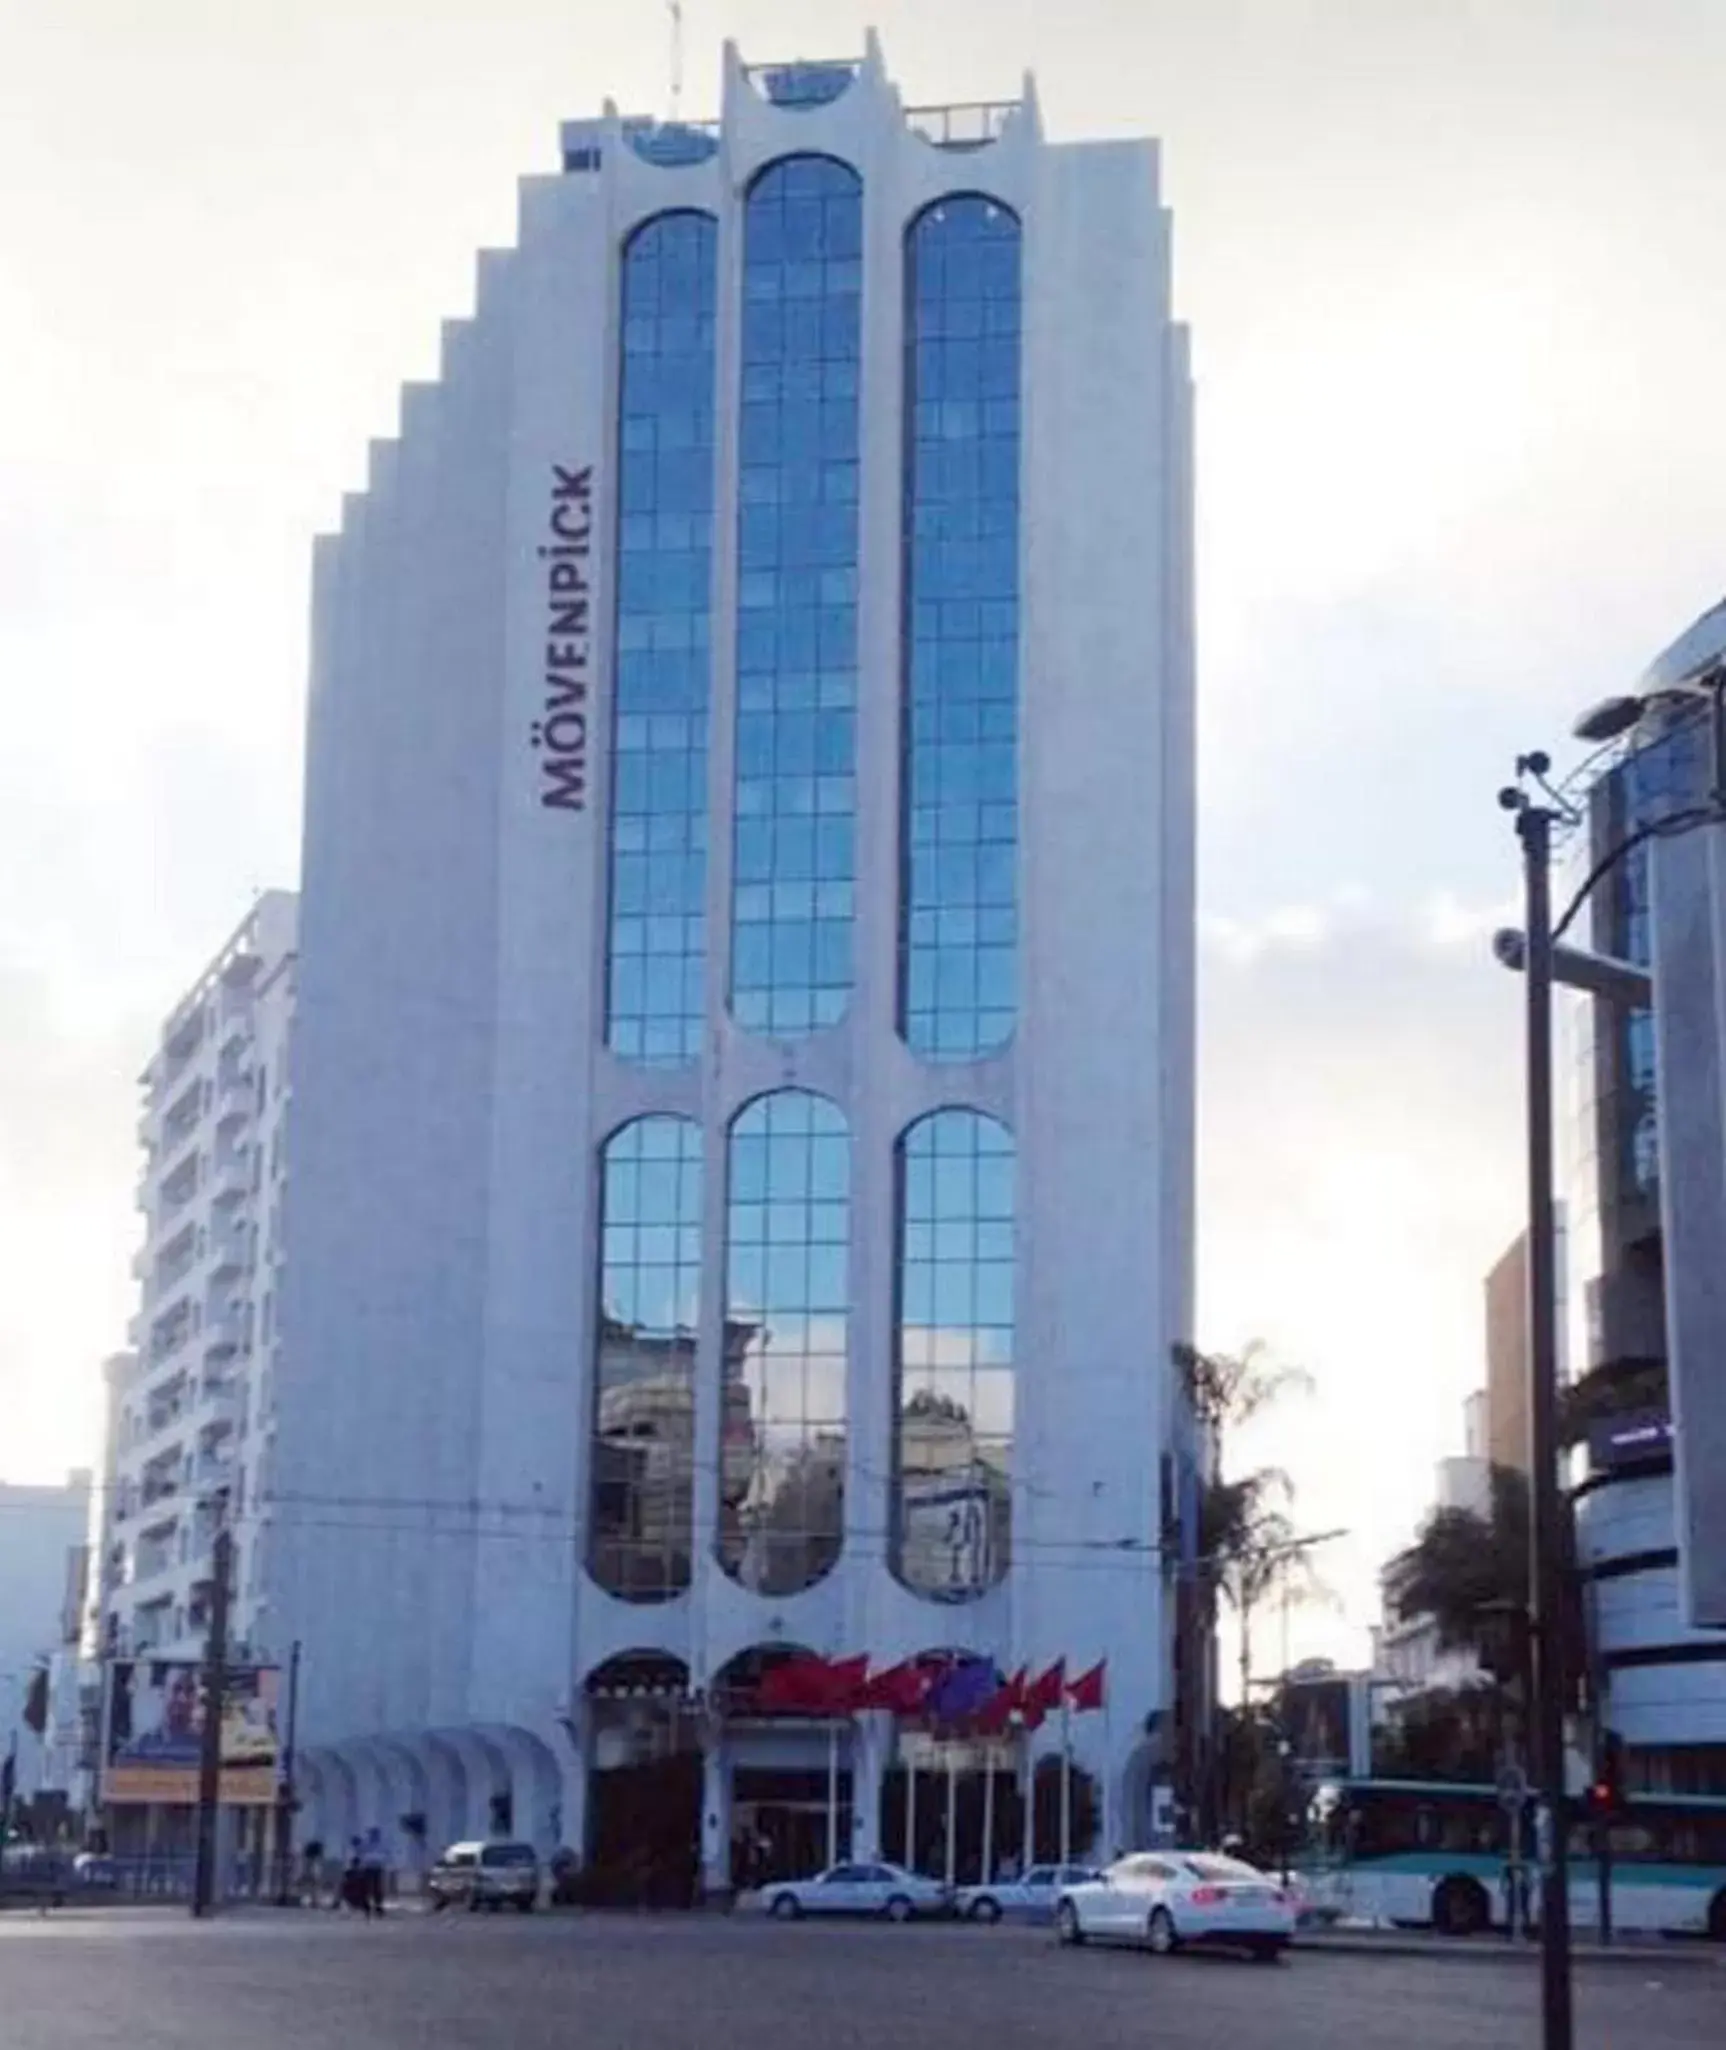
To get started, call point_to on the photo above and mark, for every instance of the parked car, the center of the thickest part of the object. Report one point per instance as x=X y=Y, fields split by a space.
x=94 y=1872
x=35 y=1873
x=886 y=1890
x=493 y=1876
x=1167 y=1899
x=1030 y=1899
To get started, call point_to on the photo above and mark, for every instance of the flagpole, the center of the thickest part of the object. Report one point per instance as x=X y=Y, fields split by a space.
x=1027 y=1802
x=952 y=1814
x=1112 y=1844
x=1066 y=1784
x=910 y=1812
x=988 y=1814
x=832 y=1793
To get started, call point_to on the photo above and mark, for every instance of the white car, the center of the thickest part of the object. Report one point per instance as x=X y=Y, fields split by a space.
x=1166 y=1899
x=1031 y=1899
x=886 y=1890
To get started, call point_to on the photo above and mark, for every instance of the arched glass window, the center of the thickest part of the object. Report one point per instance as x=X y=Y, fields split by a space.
x=959 y=913
x=657 y=935
x=954 y=1399
x=787 y=1320
x=796 y=797
x=641 y=1514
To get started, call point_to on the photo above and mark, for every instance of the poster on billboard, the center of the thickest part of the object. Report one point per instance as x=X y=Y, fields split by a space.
x=155 y=1725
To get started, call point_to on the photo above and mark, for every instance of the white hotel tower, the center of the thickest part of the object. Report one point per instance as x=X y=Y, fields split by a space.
x=743 y=1080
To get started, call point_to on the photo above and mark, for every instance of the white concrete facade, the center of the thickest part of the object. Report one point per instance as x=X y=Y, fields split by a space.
x=452 y=1088
x=189 y=1409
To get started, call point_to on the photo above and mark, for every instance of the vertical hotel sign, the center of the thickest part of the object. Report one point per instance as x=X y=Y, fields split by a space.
x=560 y=732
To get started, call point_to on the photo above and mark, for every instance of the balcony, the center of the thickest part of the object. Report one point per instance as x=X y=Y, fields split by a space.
x=167 y=1339
x=228 y=1249
x=219 y=1399
x=237 y=1084
x=215 y=1466
x=158 y=1428
x=231 y=1180
x=177 y=1134
x=224 y=1331
x=159 y=1488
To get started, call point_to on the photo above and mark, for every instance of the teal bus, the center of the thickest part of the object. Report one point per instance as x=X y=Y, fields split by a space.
x=1440 y=1855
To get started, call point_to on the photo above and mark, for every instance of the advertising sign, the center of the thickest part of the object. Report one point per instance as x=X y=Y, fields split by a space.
x=155 y=1726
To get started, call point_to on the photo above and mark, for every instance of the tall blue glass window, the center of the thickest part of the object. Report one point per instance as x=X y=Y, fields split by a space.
x=787 y=1324
x=795 y=871
x=953 y=1514
x=654 y=999
x=959 y=909
x=641 y=1517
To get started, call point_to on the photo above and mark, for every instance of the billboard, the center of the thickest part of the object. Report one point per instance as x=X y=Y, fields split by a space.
x=155 y=1732
x=1314 y=1712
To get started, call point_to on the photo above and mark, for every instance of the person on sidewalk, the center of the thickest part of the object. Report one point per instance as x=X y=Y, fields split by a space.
x=375 y=1865
x=356 y=1888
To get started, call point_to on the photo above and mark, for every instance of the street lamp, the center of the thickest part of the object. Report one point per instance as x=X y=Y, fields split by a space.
x=1537 y=807
x=1534 y=821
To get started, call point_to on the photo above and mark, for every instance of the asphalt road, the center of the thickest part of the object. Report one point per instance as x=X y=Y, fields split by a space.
x=147 y=1981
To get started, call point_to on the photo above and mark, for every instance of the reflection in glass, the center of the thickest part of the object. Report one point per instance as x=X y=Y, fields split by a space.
x=959 y=919
x=642 y=1510
x=797 y=599
x=660 y=688
x=782 y=1499
x=953 y=1524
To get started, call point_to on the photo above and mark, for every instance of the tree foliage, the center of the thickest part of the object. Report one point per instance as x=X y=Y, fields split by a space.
x=1226 y=1390
x=1470 y=1574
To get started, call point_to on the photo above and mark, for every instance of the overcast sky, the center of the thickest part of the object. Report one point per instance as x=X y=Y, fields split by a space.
x=1453 y=274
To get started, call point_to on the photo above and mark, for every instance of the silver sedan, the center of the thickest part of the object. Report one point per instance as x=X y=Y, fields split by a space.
x=1030 y=1899
x=878 y=1889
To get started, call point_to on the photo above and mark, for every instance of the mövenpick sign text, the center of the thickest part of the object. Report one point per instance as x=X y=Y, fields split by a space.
x=560 y=733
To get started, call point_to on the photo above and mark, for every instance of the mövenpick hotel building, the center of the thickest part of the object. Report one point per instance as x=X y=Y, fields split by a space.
x=740 y=1188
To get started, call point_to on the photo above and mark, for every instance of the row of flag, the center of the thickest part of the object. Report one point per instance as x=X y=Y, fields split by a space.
x=969 y=1694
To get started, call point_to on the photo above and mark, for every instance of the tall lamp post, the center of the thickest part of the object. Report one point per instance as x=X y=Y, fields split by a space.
x=1535 y=952
x=1534 y=821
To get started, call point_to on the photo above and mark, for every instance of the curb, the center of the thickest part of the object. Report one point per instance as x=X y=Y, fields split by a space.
x=1463 y=1950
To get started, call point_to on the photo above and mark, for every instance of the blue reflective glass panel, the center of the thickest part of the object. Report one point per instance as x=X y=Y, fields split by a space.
x=795 y=867
x=953 y=1513
x=657 y=933
x=958 y=947
x=641 y=1507
x=787 y=1324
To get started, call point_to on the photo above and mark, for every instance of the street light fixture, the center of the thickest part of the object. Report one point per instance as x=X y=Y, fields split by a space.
x=1537 y=808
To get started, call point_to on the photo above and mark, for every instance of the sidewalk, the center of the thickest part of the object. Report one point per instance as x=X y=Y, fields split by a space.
x=1640 y=1950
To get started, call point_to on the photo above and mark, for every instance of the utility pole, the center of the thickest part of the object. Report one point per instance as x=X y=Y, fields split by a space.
x=210 y=1748
x=1534 y=830
x=285 y=1802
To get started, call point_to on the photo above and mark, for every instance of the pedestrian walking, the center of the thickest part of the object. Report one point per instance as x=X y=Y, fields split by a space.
x=374 y=1864
x=356 y=1890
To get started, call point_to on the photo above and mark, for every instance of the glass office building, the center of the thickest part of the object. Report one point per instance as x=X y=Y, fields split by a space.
x=742 y=1177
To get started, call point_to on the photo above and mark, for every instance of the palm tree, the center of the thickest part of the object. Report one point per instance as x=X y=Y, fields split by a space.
x=1470 y=1574
x=1248 y=1535
x=1226 y=1390
x=1246 y=1540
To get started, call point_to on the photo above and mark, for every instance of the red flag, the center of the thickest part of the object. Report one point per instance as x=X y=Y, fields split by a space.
x=1086 y=1692
x=900 y=1688
x=846 y=1685
x=1006 y=1701
x=797 y=1686
x=1044 y=1693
